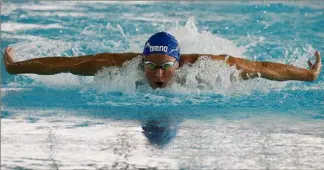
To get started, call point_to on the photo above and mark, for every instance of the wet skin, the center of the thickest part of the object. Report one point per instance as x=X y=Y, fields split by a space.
x=159 y=78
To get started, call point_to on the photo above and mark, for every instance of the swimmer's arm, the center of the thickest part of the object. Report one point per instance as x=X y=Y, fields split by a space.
x=81 y=65
x=273 y=71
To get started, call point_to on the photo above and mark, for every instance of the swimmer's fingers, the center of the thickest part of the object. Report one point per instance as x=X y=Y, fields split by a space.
x=317 y=57
x=8 y=50
x=310 y=64
x=317 y=63
x=317 y=66
x=8 y=55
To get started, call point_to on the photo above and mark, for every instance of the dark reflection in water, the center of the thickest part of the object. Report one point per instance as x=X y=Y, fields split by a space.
x=160 y=131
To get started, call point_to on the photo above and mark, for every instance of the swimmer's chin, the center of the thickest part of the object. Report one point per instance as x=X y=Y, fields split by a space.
x=156 y=85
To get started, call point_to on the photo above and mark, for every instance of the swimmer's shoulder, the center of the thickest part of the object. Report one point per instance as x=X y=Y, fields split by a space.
x=192 y=58
x=188 y=58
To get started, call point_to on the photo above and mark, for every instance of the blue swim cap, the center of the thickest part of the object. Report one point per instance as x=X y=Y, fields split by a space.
x=162 y=43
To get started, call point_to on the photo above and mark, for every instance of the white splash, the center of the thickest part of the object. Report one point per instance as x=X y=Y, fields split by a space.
x=119 y=78
x=14 y=26
x=204 y=42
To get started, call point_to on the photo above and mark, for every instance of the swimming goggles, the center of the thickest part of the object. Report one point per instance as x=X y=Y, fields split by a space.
x=164 y=66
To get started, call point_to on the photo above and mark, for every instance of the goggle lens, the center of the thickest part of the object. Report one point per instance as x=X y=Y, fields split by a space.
x=165 y=66
x=151 y=66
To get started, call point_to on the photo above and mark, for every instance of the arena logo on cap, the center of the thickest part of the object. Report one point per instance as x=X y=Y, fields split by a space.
x=156 y=48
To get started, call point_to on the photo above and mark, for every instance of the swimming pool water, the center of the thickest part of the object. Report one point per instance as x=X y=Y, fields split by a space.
x=108 y=122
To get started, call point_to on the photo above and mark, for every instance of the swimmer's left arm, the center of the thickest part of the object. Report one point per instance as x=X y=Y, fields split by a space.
x=274 y=71
x=87 y=65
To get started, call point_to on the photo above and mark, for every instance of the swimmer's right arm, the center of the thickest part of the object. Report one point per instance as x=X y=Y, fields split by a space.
x=87 y=65
x=268 y=70
x=272 y=70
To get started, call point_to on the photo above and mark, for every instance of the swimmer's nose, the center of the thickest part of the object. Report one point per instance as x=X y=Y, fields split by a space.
x=159 y=72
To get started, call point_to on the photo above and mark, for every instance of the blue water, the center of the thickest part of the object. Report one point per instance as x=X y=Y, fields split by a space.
x=71 y=122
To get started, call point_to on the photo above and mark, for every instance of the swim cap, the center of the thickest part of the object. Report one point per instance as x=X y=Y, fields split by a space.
x=162 y=43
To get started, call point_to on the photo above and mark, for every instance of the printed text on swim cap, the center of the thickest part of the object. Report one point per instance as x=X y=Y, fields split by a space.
x=157 y=48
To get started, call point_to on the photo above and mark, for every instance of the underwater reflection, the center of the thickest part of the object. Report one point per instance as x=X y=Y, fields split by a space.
x=160 y=131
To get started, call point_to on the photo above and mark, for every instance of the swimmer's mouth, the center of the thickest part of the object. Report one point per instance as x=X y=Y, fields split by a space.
x=159 y=84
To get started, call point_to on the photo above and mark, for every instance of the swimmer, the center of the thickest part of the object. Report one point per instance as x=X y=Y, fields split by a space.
x=161 y=57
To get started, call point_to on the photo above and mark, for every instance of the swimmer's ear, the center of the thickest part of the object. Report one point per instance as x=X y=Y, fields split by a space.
x=141 y=63
x=178 y=64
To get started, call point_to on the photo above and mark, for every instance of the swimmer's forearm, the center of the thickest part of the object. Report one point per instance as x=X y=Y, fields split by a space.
x=273 y=71
x=36 y=66
x=283 y=72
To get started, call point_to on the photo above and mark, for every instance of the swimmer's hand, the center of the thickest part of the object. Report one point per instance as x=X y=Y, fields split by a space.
x=316 y=67
x=8 y=55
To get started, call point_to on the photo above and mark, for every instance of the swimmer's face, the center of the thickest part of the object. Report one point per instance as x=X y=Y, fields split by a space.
x=159 y=78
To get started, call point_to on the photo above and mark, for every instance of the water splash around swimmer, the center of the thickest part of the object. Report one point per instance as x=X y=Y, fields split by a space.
x=201 y=77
